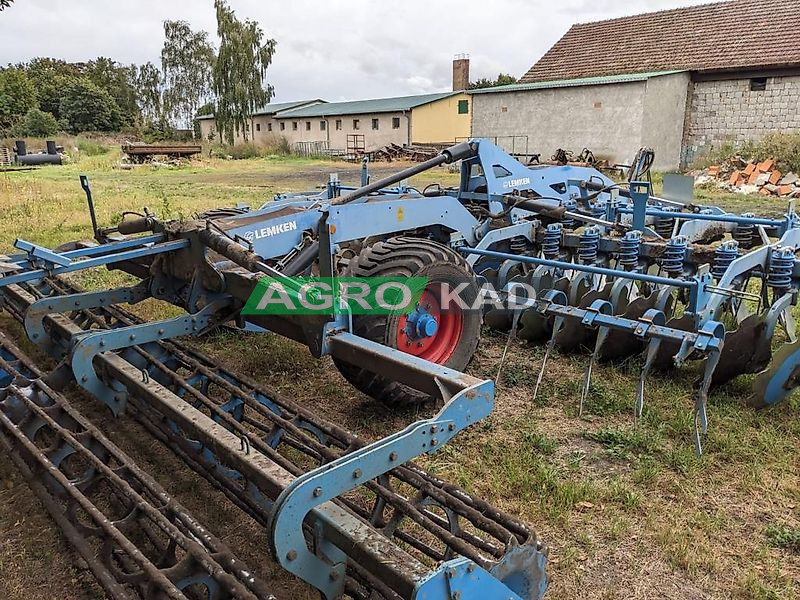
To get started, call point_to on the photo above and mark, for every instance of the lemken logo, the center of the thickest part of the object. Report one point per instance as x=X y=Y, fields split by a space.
x=265 y=232
x=515 y=182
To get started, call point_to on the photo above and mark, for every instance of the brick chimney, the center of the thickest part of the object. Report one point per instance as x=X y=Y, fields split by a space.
x=460 y=72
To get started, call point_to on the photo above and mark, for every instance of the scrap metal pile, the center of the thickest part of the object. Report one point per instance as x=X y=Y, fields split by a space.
x=580 y=262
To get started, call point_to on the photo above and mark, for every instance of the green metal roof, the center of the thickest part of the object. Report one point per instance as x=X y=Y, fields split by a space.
x=358 y=107
x=560 y=83
x=276 y=107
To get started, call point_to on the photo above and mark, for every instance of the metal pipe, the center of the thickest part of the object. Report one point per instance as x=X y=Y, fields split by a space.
x=448 y=155
x=727 y=218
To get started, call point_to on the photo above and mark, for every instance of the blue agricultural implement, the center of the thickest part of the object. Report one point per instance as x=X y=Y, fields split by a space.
x=604 y=266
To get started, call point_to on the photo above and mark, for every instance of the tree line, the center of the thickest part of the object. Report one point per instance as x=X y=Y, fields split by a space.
x=46 y=95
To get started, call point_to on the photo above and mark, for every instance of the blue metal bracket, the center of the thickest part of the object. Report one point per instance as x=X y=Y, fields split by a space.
x=34 y=316
x=346 y=473
x=462 y=579
x=36 y=252
x=640 y=194
x=85 y=346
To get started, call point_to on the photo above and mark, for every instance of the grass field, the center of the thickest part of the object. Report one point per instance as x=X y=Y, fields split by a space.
x=627 y=511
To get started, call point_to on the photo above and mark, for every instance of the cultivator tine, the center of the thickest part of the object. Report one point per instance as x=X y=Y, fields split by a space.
x=558 y=324
x=602 y=336
x=512 y=333
x=701 y=402
x=652 y=351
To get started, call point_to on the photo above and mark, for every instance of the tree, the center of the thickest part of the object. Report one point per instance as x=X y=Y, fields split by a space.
x=50 y=76
x=86 y=107
x=502 y=79
x=148 y=92
x=118 y=80
x=186 y=59
x=17 y=96
x=240 y=71
x=37 y=123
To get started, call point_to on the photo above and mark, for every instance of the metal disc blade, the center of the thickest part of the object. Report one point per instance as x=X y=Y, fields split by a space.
x=774 y=384
x=742 y=351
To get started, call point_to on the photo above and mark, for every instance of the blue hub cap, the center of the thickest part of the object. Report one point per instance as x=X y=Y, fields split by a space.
x=421 y=325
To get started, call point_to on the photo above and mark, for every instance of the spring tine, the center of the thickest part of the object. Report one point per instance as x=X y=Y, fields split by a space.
x=701 y=401
x=788 y=322
x=512 y=333
x=602 y=335
x=558 y=323
x=652 y=351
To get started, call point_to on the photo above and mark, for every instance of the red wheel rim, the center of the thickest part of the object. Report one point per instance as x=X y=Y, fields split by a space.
x=440 y=346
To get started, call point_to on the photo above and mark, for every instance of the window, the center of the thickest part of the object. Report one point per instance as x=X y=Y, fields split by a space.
x=503 y=109
x=323 y=125
x=355 y=124
x=375 y=124
x=269 y=126
x=294 y=125
x=758 y=84
x=308 y=125
x=338 y=124
x=395 y=122
x=258 y=126
x=463 y=107
x=283 y=125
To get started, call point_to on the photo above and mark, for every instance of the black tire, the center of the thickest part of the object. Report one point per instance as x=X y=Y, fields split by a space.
x=410 y=257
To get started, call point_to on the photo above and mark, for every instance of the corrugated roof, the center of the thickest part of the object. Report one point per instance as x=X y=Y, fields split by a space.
x=738 y=34
x=358 y=107
x=276 y=107
x=559 y=83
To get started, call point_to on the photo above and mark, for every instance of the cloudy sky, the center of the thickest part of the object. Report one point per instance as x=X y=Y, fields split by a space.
x=334 y=49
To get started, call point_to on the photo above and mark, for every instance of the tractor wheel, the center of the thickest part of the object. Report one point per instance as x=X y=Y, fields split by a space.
x=444 y=335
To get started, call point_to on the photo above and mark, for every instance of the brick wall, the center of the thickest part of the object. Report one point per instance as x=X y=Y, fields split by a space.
x=728 y=111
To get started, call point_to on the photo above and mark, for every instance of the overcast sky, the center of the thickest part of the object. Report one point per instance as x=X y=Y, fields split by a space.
x=331 y=49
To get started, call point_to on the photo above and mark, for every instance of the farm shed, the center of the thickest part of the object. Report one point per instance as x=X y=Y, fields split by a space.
x=682 y=81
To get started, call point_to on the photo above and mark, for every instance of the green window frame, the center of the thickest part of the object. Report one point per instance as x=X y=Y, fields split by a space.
x=463 y=107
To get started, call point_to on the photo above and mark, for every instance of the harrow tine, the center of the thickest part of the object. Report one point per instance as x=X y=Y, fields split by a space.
x=558 y=323
x=652 y=351
x=512 y=333
x=701 y=402
x=602 y=336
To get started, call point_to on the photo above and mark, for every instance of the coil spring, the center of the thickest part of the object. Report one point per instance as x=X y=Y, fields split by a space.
x=570 y=205
x=629 y=250
x=781 y=265
x=588 y=244
x=551 y=242
x=518 y=245
x=664 y=226
x=674 y=253
x=724 y=255
x=744 y=232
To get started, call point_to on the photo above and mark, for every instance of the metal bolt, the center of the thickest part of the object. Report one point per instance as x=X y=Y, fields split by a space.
x=291 y=554
x=420 y=344
x=84 y=379
x=433 y=428
x=471 y=394
x=393 y=456
x=434 y=441
x=470 y=568
x=456 y=595
x=160 y=332
x=317 y=492
x=357 y=473
x=133 y=336
x=451 y=573
x=451 y=427
x=102 y=343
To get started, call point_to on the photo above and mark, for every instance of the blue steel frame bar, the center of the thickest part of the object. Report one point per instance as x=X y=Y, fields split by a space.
x=97 y=261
